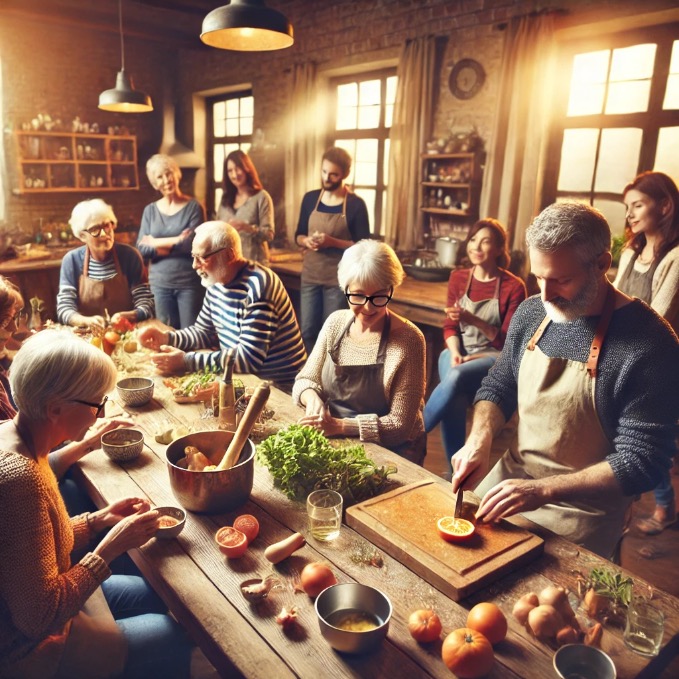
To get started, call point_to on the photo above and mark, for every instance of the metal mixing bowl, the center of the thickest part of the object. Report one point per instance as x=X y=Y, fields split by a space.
x=583 y=661
x=352 y=596
x=211 y=492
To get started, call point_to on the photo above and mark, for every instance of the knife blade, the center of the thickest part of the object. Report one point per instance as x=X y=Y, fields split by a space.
x=458 y=504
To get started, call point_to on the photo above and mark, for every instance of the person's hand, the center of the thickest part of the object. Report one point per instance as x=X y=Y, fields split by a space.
x=130 y=532
x=470 y=464
x=94 y=323
x=323 y=422
x=511 y=496
x=309 y=243
x=456 y=359
x=322 y=241
x=313 y=403
x=170 y=360
x=147 y=240
x=186 y=233
x=242 y=227
x=118 y=510
x=127 y=315
x=92 y=438
x=152 y=338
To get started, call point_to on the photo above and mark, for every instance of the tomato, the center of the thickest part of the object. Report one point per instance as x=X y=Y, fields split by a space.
x=231 y=542
x=316 y=577
x=454 y=530
x=111 y=338
x=123 y=325
x=248 y=524
x=424 y=626
x=467 y=653
x=488 y=619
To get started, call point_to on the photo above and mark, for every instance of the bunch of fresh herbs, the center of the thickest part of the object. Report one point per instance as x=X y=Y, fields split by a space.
x=302 y=459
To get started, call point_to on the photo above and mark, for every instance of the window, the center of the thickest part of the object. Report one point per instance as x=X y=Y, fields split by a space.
x=364 y=109
x=230 y=122
x=619 y=117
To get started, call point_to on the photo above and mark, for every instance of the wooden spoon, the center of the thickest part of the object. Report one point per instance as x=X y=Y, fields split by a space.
x=252 y=412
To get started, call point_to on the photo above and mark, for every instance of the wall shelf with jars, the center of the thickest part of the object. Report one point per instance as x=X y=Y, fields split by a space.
x=450 y=190
x=63 y=161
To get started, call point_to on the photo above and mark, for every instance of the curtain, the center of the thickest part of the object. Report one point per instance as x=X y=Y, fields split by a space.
x=3 y=170
x=413 y=116
x=512 y=184
x=303 y=152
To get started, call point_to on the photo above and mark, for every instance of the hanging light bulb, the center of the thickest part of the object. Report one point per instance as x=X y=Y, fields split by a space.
x=246 y=26
x=124 y=98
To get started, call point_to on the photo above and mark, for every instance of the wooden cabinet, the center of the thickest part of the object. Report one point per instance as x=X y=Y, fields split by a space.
x=63 y=161
x=450 y=193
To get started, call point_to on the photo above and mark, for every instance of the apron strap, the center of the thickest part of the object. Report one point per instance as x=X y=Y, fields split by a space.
x=600 y=334
x=344 y=202
x=384 y=340
x=335 y=347
x=538 y=334
x=86 y=265
x=498 y=280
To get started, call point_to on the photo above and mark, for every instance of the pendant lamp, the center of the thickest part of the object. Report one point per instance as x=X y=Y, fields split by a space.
x=124 y=98
x=246 y=26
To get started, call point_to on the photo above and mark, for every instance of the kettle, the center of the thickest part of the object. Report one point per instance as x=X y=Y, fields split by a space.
x=446 y=250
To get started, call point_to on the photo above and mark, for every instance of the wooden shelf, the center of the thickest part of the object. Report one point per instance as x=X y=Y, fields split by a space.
x=65 y=162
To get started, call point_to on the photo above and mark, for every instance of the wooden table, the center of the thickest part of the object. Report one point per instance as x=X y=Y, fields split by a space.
x=201 y=586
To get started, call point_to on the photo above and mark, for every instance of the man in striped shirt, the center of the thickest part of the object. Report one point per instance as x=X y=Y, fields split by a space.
x=246 y=308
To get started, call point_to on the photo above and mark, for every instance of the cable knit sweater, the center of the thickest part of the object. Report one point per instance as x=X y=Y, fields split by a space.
x=664 y=286
x=39 y=589
x=404 y=376
x=636 y=393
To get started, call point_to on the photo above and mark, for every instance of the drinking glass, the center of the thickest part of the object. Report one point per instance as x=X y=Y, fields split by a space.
x=644 y=627
x=324 y=510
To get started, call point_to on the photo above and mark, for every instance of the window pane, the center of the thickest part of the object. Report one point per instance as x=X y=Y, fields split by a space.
x=366 y=172
x=614 y=211
x=245 y=148
x=218 y=198
x=247 y=106
x=368 y=196
x=666 y=156
x=577 y=159
x=230 y=147
x=246 y=126
x=346 y=117
x=218 y=111
x=385 y=172
x=347 y=95
x=218 y=162
x=388 y=115
x=628 y=97
x=587 y=83
x=392 y=82
x=672 y=92
x=232 y=108
x=633 y=63
x=368 y=117
x=618 y=158
x=369 y=92
x=232 y=127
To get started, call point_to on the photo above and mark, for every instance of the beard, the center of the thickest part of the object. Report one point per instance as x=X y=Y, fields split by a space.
x=562 y=310
x=332 y=186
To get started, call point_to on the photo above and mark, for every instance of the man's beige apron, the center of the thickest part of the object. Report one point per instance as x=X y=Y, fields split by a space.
x=488 y=310
x=112 y=295
x=320 y=267
x=559 y=432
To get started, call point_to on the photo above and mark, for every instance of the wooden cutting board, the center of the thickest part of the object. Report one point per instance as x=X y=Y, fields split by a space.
x=403 y=524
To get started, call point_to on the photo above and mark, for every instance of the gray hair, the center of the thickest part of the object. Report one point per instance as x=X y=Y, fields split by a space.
x=54 y=366
x=87 y=213
x=370 y=262
x=573 y=225
x=220 y=235
x=159 y=162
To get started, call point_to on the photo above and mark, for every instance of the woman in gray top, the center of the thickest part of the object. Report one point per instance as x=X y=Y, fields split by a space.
x=165 y=238
x=247 y=206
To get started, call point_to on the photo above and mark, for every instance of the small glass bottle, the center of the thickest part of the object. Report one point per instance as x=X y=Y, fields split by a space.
x=227 y=395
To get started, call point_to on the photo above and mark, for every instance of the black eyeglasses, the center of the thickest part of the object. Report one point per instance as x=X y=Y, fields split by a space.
x=16 y=318
x=202 y=259
x=98 y=406
x=96 y=230
x=356 y=299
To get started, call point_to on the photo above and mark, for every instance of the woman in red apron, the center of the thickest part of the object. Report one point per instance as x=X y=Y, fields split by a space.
x=649 y=270
x=366 y=374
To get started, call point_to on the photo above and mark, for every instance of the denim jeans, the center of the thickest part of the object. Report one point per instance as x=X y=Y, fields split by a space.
x=449 y=401
x=317 y=302
x=157 y=644
x=664 y=491
x=178 y=308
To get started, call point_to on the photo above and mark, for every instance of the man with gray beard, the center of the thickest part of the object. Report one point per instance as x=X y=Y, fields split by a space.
x=593 y=374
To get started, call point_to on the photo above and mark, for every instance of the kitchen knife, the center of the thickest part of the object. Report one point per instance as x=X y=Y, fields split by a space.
x=458 y=504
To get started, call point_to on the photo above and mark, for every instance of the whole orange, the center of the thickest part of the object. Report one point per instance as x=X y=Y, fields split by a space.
x=488 y=619
x=424 y=625
x=467 y=653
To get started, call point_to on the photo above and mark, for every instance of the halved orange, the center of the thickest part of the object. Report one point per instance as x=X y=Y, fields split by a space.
x=231 y=542
x=454 y=530
x=248 y=524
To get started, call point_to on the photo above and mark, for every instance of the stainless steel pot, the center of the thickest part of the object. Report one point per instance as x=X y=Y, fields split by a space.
x=446 y=249
x=211 y=492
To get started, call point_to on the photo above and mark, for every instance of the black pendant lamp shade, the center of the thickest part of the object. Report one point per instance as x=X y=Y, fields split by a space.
x=246 y=26
x=123 y=98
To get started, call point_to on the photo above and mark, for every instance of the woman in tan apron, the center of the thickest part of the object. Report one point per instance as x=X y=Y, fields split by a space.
x=60 y=619
x=649 y=270
x=474 y=331
x=561 y=392
x=365 y=376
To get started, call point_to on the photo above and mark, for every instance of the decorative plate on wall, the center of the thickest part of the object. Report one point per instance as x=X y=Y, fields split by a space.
x=466 y=78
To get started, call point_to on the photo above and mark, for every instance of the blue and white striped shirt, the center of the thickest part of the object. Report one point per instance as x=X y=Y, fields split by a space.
x=252 y=314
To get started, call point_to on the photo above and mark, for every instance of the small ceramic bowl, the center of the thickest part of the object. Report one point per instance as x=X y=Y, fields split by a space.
x=174 y=516
x=135 y=391
x=122 y=445
x=352 y=598
x=578 y=660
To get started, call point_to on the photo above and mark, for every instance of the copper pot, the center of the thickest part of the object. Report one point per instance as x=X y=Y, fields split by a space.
x=211 y=492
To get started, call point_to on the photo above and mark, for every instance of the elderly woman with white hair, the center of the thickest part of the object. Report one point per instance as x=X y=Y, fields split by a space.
x=101 y=277
x=165 y=238
x=366 y=374
x=58 y=618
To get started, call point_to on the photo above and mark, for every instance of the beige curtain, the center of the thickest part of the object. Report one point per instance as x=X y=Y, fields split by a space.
x=512 y=183
x=413 y=115
x=302 y=155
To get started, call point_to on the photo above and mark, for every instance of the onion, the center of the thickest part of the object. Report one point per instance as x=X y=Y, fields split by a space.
x=316 y=577
x=524 y=606
x=545 y=621
x=557 y=597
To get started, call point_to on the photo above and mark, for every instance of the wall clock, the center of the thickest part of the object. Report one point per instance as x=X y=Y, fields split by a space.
x=466 y=78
